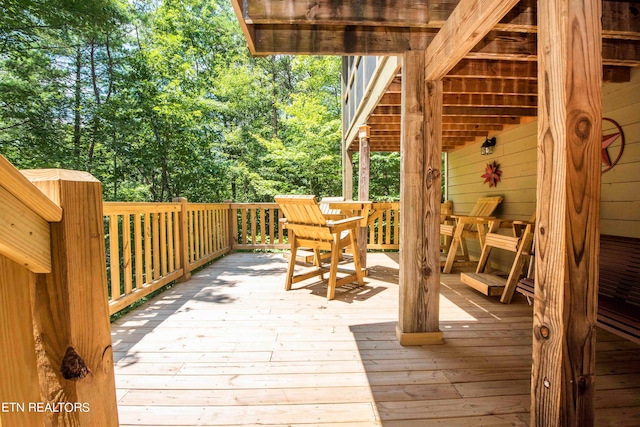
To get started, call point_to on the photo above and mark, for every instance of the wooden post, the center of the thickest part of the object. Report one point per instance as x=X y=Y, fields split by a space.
x=18 y=369
x=363 y=188
x=232 y=226
x=420 y=153
x=567 y=226
x=347 y=173
x=183 y=247
x=70 y=306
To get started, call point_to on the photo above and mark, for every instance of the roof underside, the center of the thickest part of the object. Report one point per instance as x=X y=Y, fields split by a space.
x=494 y=86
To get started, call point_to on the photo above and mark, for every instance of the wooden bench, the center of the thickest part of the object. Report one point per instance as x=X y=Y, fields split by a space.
x=619 y=286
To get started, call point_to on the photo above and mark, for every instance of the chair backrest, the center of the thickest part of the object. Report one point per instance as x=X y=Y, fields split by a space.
x=486 y=205
x=301 y=210
x=328 y=212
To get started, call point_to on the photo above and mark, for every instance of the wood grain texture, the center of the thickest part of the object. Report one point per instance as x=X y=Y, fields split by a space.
x=24 y=235
x=71 y=312
x=363 y=188
x=470 y=21
x=228 y=349
x=419 y=199
x=569 y=133
x=20 y=187
x=18 y=368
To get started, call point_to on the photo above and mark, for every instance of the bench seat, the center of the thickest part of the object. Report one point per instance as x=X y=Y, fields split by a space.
x=618 y=287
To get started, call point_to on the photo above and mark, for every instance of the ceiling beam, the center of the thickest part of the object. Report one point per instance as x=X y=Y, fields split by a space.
x=490 y=100
x=468 y=24
x=490 y=85
x=400 y=13
x=490 y=111
x=336 y=40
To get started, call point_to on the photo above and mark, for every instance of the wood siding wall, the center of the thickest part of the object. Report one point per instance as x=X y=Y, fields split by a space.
x=516 y=153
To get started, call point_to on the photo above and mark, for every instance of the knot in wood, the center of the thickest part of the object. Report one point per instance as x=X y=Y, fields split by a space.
x=544 y=332
x=542 y=231
x=546 y=383
x=583 y=128
x=73 y=367
x=583 y=384
x=426 y=271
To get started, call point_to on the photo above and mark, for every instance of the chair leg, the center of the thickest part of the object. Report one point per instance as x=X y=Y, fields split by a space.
x=292 y=260
x=333 y=270
x=317 y=261
x=356 y=257
x=451 y=256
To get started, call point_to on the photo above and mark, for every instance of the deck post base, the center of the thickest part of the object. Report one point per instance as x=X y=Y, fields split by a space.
x=419 y=338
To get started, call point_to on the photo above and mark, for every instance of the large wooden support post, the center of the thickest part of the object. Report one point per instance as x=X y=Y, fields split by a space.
x=420 y=177
x=567 y=234
x=70 y=307
x=363 y=188
x=18 y=369
x=183 y=246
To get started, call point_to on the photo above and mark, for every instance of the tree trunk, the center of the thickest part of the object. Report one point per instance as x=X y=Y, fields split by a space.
x=77 y=116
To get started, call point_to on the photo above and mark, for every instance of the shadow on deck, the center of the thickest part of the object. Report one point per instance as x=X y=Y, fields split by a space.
x=231 y=347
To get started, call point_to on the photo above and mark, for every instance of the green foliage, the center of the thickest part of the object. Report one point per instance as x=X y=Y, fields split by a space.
x=161 y=99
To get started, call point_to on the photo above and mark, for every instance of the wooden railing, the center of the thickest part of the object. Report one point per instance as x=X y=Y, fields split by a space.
x=384 y=226
x=152 y=244
x=257 y=226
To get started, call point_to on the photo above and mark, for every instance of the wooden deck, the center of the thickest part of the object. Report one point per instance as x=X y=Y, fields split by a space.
x=231 y=347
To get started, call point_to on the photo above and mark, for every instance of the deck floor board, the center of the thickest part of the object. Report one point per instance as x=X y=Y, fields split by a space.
x=232 y=348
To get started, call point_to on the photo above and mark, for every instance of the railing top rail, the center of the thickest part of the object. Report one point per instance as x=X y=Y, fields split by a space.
x=208 y=205
x=119 y=208
x=12 y=180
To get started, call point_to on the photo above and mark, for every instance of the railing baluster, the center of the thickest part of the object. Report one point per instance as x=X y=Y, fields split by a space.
x=148 y=266
x=170 y=241
x=243 y=240
x=155 y=227
x=163 y=243
x=137 y=238
x=126 y=253
x=114 y=256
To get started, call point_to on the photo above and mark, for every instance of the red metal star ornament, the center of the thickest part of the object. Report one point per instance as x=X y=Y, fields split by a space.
x=492 y=174
x=609 y=139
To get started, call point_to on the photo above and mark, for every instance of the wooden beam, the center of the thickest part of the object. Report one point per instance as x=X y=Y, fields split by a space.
x=247 y=30
x=71 y=313
x=420 y=179
x=467 y=25
x=522 y=70
x=402 y=13
x=490 y=100
x=463 y=127
x=490 y=85
x=491 y=111
x=507 y=120
x=334 y=40
x=568 y=226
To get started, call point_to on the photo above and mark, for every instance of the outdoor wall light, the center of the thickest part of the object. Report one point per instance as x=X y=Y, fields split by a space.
x=487 y=146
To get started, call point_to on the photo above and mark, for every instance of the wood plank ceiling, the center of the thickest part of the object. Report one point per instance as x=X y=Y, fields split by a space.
x=494 y=86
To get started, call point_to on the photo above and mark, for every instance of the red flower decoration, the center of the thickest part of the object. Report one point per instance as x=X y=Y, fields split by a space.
x=492 y=174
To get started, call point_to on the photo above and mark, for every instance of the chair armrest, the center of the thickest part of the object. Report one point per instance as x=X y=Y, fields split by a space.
x=462 y=219
x=344 y=224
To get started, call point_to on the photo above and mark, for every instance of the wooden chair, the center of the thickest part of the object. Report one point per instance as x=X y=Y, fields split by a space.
x=332 y=214
x=520 y=243
x=309 y=228
x=468 y=226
